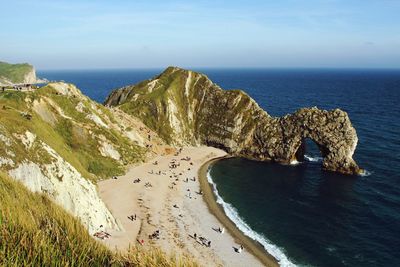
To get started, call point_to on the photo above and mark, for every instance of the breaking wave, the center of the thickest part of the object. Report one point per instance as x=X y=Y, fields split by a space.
x=313 y=159
x=365 y=173
x=233 y=215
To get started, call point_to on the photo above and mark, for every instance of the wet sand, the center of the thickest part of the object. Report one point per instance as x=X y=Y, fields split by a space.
x=209 y=197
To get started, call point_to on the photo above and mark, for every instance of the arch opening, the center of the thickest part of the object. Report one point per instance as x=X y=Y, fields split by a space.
x=310 y=151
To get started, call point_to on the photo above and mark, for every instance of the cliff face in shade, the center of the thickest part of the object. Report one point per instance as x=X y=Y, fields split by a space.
x=186 y=108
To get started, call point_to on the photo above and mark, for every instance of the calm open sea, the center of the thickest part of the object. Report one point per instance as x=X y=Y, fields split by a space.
x=300 y=213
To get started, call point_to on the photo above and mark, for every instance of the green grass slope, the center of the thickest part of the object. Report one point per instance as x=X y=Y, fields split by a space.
x=14 y=73
x=186 y=105
x=56 y=121
x=36 y=232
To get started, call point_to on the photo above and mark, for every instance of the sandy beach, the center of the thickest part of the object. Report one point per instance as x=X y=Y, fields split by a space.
x=167 y=199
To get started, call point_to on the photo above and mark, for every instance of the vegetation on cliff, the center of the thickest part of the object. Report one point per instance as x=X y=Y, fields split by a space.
x=73 y=125
x=36 y=232
x=57 y=141
x=16 y=73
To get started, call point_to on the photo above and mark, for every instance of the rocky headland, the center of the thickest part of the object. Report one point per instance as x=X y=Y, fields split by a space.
x=186 y=108
x=11 y=74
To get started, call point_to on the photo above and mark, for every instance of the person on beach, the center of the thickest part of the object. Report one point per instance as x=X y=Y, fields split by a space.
x=209 y=244
x=195 y=236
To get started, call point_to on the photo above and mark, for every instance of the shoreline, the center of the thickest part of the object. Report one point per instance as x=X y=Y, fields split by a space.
x=173 y=206
x=215 y=209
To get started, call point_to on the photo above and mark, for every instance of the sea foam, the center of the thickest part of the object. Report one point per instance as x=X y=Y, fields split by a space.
x=312 y=159
x=365 y=173
x=233 y=215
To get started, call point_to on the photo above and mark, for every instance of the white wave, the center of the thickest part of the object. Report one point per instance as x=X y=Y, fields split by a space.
x=366 y=173
x=294 y=163
x=232 y=214
x=313 y=159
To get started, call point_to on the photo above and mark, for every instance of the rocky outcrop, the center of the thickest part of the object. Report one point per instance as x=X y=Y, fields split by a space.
x=185 y=107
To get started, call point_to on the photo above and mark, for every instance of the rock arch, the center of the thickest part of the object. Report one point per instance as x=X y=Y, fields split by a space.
x=331 y=131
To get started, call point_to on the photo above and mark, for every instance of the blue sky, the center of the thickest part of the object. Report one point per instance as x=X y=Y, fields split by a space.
x=146 y=34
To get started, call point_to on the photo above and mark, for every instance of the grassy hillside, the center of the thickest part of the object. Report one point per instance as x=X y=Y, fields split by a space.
x=14 y=73
x=186 y=105
x=36 y=232
x=163 y=103
x=73 y=134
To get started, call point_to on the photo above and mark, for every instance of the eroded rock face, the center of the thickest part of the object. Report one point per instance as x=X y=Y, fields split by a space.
x=185 y=107
x=65 y=185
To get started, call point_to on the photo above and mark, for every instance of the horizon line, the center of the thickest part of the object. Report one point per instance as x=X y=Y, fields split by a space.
x=220 y=68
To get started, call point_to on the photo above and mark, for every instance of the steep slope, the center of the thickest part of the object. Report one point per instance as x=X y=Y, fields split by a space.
x=57 y=141
x=185 y=107
x=16 y=73
x=36 y=232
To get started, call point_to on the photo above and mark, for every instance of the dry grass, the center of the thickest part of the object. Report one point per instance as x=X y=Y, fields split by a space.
x=36 y=232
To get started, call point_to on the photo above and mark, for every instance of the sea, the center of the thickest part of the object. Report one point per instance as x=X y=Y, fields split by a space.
x=301 y=214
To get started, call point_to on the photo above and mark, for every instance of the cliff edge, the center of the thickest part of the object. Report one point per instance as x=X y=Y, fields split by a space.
x=17 y=74
x=186 y=108
x=57 y=141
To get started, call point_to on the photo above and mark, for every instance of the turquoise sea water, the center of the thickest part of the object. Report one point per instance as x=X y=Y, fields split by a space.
x=304 y=215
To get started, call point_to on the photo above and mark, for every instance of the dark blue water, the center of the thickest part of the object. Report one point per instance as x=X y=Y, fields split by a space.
x=315 y=217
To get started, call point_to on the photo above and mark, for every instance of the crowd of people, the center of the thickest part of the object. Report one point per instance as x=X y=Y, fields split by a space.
x=175 y=177
x=19 y=87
